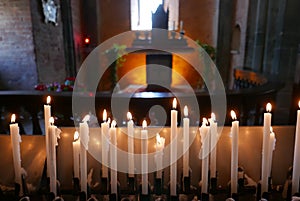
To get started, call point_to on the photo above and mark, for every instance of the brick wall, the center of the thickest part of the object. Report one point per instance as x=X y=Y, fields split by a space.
x=17 y=59
x=49 y=46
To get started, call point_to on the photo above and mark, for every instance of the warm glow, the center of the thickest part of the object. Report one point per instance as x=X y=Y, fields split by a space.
x=213 y=116
x=174 y=103
x=129 y=116
x=48 y=100
x=86 y=118
x=104 y=115
x=158 y=139
x=51 y=120
x=113 y=123
x=13 y=118
x=144 y=124
x=233 y=115
x=271 y=129
x=204 y=122
x=299 y=103
x=269 y=107
x=76 y=135
x=185 y=111
x=87 y=40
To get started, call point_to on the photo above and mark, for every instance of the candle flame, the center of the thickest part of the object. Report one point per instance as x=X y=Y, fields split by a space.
x=13 y=118
x=269 y=107
x=48 y=100
x=213 y=116
x=86 y=118
x=271 y=129
x=158 y=139
x=185 y=111
x=204 y=122
x=174 y=103
x=144 y=124
x=104 y=115
x=113 y=123
x=51 y=120
x=129 y=116
x=233 y=115
x=108 y=120
x=76 y=135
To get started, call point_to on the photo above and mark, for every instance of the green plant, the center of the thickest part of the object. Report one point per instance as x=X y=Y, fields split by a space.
x=210 y=50
x=116 y=54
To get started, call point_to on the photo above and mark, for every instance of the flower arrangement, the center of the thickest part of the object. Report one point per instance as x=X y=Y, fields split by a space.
x=68 y=85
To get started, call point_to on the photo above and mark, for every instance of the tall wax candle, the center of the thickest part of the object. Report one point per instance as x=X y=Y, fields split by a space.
x=113 y=158
x=296 y=163
x=84 y=140
x=204 y=150
x=76 y=151
x=47 y=115
x=105 y=144
x=160 y=144
x=265 y=149
x=173 y=141
x=53 y=135
x=271 y=149
x=186 y=142
x=15 y=143
x=144 y=152
x=130 y=135
x=234 y=153
x=213 y=145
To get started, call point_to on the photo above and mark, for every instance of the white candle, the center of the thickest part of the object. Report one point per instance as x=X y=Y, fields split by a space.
x=47 y=115
x=173 y=141
x=234 y=153
x=186 y=143
x=53 y=135
x=76 y=151
x=213 y=145
x=15 y=143
x=265 y=149
x=113 y=158
x=160 y=144
x=84 y=140
x=271 y=149
x=130 y=135
x=296 y=163
x=144 y=151
x=105 y=144
x=204 y=150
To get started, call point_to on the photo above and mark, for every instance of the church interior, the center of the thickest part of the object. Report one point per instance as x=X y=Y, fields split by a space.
x=105 y=58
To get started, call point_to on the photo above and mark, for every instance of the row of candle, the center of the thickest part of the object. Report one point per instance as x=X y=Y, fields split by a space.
x=52 y=133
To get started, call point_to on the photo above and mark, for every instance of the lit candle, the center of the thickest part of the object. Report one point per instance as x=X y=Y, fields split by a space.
x=204 y=150
x=213 y=145
x=173 y=141
x=105 y=144
x=271 y=149
x=76 y=151
x=47 y=115
x=234 y=152
x=53 y=135
x=130 y=132
x=186 y=133
x=265 y=149
x=296 y=165
x=84 y=140
x=113 y=158
x=144 y=151
x=15 y=143
x=160 y=144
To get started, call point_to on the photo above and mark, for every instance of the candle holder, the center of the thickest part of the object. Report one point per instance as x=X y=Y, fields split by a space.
x=158 y=184
x=50 y=196
x=115 y=196
x=186 y=187
x=82 y=196
x=76 y=186
x=213 y=185
x=204 y=197
x=104 y=186
x=131 y=184
x=142 y=196
x=235 y=196
x=17 y=189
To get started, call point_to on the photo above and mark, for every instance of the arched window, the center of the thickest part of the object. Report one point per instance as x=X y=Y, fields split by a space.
x=141 y=13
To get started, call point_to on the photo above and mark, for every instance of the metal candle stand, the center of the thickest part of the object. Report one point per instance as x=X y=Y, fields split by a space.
x=131 y=184
x=145 y=197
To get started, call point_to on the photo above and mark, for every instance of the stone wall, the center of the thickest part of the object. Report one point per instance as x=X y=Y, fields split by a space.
x=17 y=58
